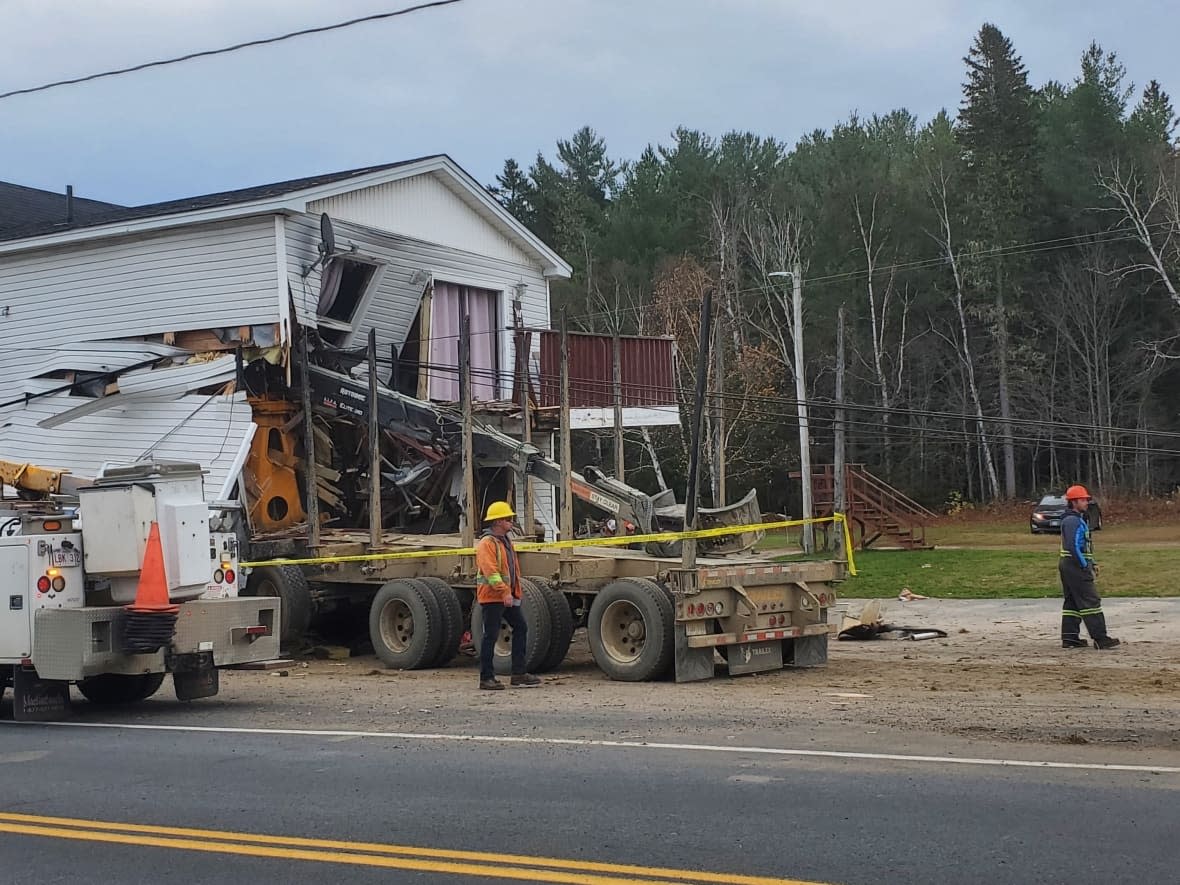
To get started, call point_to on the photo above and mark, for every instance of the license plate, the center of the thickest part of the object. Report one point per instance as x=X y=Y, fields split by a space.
x=66 y=558
x=1055 y=523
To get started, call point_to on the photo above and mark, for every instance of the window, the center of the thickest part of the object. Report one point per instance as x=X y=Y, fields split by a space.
x=343 y=286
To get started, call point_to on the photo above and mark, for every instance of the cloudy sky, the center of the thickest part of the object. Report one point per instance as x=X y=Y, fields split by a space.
x=487 y=79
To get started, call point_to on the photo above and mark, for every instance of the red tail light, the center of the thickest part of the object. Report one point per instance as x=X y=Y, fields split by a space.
x=43 y=584
x=230 y=576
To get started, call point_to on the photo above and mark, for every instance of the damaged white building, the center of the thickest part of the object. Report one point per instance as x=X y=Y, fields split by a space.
x=122 y=328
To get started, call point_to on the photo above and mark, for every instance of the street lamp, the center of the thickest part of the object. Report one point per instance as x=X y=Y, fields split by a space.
x=796 y=277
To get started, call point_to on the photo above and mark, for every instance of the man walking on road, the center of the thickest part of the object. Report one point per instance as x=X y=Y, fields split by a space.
x=1078 y=570
x=499 y=595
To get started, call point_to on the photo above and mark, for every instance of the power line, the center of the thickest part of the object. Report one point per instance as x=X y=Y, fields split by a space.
x=379 y=16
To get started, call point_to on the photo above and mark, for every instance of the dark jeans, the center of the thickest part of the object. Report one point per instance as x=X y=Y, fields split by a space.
x=493 y=612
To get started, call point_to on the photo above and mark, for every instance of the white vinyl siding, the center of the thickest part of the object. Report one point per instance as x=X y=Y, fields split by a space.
x=425 y=208
x=204 y=276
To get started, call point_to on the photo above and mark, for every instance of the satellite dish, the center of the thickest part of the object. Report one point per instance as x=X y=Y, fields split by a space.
x=327 y=235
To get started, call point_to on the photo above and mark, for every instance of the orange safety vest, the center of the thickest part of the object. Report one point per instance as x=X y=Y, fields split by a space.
x=498 y=567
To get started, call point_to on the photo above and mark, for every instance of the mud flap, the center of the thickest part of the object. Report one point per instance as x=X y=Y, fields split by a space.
x=755 y=657
x=692 y=664
x=806 y=651
x=196 y=677
x=38 y=700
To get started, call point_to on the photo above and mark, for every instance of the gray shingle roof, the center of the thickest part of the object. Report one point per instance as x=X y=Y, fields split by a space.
x=28 y=207
x=54 y=221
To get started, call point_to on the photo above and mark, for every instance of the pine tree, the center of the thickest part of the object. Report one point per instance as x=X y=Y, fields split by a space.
x=514 y=191
x=1154 y=119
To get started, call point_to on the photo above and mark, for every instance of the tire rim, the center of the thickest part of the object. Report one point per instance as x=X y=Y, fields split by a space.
x=623 y=631
x=397 y=625
x=503 y=646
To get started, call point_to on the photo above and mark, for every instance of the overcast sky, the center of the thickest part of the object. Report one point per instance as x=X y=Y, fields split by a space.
x=487 y=79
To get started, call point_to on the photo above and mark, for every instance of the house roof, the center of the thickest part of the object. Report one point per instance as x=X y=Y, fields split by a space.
x=30 y=207
x=290 y=196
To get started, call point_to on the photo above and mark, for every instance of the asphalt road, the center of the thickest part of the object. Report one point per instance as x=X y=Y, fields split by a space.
x=558 y=810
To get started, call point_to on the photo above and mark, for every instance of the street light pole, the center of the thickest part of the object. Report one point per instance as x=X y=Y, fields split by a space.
x=796 y=276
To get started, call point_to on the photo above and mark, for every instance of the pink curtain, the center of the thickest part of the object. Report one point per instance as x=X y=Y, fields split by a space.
x=444 y=342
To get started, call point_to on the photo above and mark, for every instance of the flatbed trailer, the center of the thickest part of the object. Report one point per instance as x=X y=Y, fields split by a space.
x=646 y=616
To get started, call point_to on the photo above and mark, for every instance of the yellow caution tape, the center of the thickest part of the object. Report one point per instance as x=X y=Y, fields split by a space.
x=618 y=541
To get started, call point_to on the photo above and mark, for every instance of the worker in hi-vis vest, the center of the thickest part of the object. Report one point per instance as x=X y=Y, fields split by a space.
x=499 y=597
x=1078 y=570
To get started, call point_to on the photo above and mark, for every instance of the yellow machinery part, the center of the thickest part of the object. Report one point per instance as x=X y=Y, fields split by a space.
x=271 y=483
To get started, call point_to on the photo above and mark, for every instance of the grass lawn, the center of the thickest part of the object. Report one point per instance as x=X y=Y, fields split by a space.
x=989 y=574
x=987 y=560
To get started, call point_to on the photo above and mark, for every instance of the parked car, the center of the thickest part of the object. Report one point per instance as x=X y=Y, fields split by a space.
x=1047 y=515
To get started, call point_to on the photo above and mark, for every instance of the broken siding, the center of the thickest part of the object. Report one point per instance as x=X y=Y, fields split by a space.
x=409 y=265
x=210 y=430
x=424 y=208
x=203 y=276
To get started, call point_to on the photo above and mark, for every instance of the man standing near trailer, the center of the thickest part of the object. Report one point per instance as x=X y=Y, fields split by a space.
x=1078 y=570
x=498 y=592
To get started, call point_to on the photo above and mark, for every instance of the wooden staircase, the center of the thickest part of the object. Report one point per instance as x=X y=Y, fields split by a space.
x=877 y=512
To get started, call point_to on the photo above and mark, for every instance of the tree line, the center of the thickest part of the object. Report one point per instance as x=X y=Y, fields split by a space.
x=1006 y=279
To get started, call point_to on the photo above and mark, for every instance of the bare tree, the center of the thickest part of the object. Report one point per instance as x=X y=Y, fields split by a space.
x=938 y=186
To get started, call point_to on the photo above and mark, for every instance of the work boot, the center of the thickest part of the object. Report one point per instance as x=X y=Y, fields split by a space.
x=1107 y=642
x=1074 y=642
x=492 y=684
x=526 y=680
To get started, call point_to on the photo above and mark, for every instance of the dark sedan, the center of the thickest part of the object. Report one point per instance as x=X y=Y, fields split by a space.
x=1047 y=515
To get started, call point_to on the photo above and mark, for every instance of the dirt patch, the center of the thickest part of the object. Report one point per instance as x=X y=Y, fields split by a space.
x=1004 y=677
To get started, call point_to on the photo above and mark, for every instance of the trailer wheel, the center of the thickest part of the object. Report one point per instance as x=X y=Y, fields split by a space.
x=536 y=615
x=405 y=625
x=561 y=627
x=452 y=619
x=631 y=630
x=287 y=582
x=115 y=688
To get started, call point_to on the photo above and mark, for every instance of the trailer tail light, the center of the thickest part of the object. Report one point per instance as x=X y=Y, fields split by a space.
x=51 y=525
x=218 y=576
x=43 y=584
x=260 y=630
x=230 y=577
x=58 y=584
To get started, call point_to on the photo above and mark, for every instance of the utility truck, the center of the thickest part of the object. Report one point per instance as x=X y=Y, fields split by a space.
x=112 y=584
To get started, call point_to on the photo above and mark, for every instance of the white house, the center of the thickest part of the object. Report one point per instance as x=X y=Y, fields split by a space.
x=87 y=302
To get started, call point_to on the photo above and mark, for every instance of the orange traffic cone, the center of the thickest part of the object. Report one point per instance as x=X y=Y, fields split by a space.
x=152 y=593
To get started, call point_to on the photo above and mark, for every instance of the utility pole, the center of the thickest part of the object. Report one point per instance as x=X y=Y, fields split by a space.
x=617 y=392
x=471 y=513
x=840 y=490
x=801 y=396
x=526 y=416
x=719 y=496
x=312 y=504
x=374 y=447
x=689 y=560
x=567 y=500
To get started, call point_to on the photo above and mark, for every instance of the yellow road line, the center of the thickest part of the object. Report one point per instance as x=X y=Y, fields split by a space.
x=468 y=863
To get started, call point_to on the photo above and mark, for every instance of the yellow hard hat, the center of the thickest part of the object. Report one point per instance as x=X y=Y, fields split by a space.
x=499 y=510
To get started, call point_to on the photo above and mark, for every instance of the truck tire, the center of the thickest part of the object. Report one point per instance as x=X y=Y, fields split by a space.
x=631 y=630
x=288 y=584
x=116 y=688
x=452 y=619
x=405 y=625
x=536 y=614
x=561 y=626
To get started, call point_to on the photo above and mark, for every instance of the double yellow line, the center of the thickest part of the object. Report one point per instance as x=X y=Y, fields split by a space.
x=517 y=867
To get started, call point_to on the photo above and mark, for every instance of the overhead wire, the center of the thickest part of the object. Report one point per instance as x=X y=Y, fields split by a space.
x=248 y=44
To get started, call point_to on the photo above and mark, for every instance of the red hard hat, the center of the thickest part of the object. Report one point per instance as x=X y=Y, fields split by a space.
x=1075 y=493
